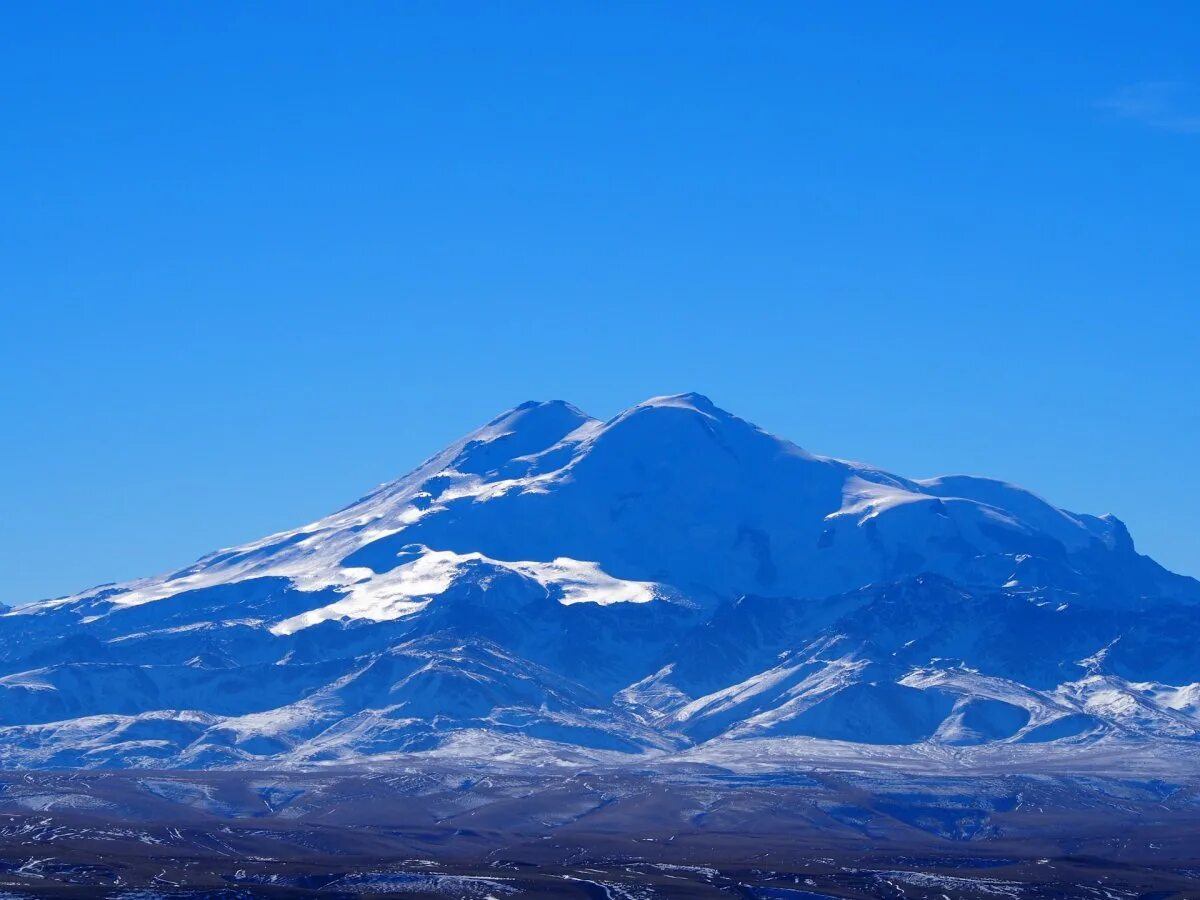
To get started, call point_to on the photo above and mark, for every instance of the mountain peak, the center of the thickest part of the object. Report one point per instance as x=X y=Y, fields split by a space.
x=524 y=430
x=531 y=405
x=534 y=415
x=679 y=409
x=687 y=400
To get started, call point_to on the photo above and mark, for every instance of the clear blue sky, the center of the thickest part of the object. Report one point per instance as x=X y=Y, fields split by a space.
x=258 y=258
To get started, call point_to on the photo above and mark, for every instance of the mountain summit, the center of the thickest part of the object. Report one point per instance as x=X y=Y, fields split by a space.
x=672 y=580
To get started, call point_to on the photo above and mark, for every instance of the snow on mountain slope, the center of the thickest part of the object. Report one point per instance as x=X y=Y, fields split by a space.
x=671 y=576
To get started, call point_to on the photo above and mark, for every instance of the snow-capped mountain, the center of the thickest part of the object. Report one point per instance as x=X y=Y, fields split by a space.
x=670 y=580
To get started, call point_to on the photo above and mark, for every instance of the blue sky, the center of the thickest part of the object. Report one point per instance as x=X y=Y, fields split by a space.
x=257 y=259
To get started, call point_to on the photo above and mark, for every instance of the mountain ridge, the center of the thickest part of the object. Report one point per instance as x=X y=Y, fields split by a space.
x=672 y=578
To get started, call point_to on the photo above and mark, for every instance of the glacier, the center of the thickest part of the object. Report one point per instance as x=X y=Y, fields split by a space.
x=673 y=583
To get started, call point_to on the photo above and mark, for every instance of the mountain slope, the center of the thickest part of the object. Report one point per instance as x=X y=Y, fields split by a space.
x=669 y=578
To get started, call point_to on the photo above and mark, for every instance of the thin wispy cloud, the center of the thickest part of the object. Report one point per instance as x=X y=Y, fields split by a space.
x=1167 y=105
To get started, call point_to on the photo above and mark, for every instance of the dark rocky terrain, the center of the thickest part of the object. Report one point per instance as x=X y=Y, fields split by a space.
x=684 y=832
